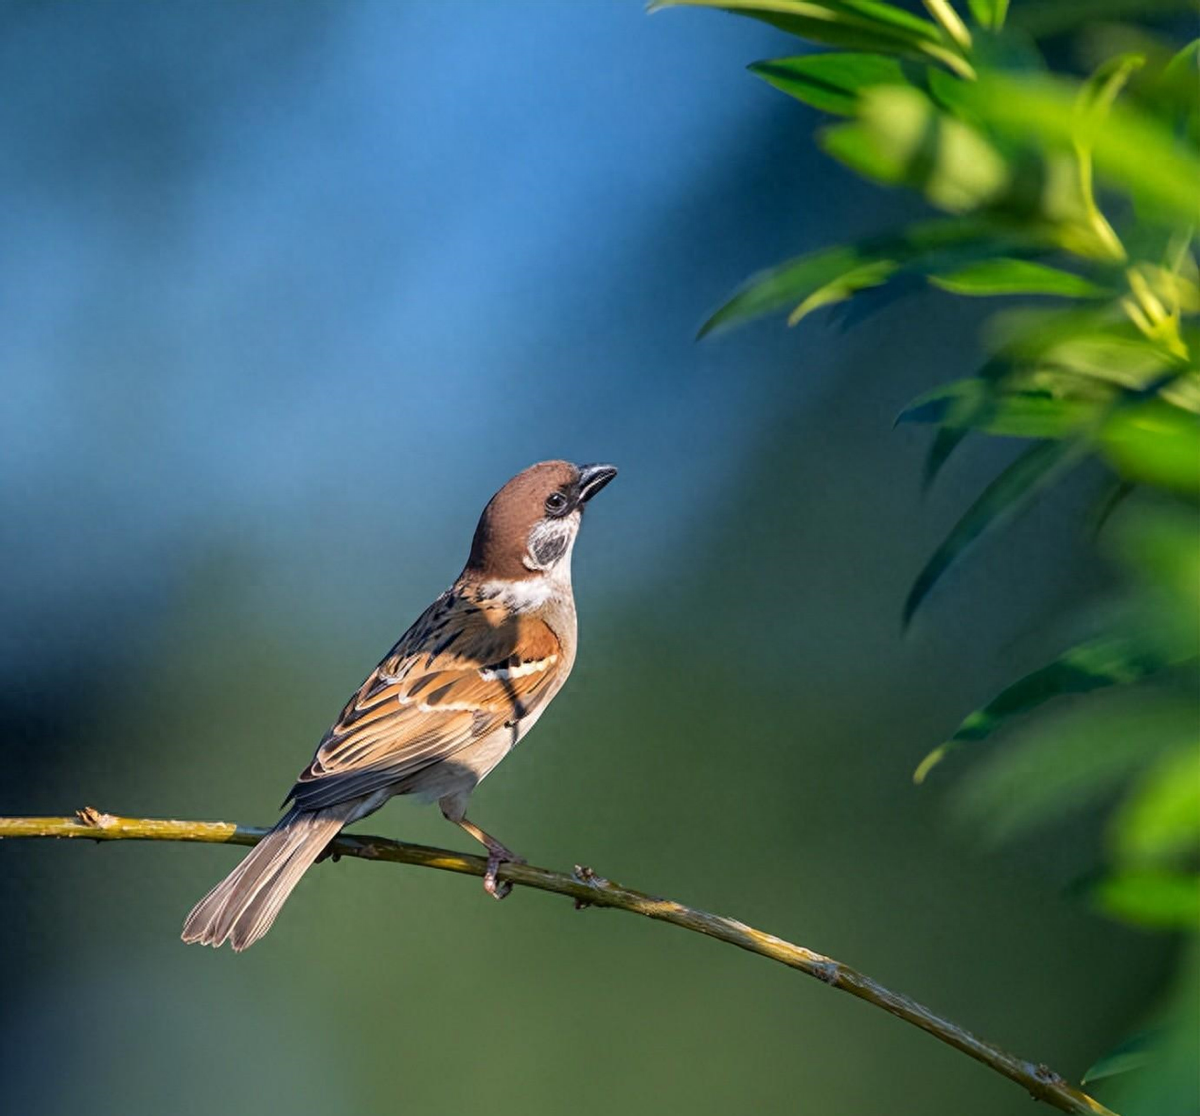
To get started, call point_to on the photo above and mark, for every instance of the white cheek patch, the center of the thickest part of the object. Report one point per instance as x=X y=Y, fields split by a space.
x=550 y=542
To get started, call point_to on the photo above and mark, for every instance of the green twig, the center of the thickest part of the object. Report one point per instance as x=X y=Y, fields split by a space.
x=591 y=890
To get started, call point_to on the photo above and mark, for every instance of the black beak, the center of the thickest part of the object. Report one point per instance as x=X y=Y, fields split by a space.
x=592 y=478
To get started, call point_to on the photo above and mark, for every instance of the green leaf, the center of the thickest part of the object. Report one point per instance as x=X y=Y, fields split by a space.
x=1002 y=501
x=1155 y=899
x=1011 y=276
x=1155 y=444
x=870 y=25
x=830 y=82
x=1133 y=151
x=856 y=24
x=1120 y=660
x=1135 y=1052
x=1115 y=493
x=1063 y=763
x=795 y=280
x=1162 y=547
x=1176 y=87
x=989 y=13
x=861 y=278
x=1012 y=413
x=1041 y=21
x=945 y=442
x=902 y=138
x=1161 y=819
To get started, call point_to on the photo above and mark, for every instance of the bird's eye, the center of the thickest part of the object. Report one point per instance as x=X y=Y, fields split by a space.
x=556 y=503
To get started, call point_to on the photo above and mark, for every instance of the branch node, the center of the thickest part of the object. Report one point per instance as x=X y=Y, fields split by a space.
x=588 y=877
x=827 y=971
x=92 y=817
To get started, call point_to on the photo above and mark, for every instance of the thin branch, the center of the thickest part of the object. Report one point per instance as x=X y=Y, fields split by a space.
x=589 y=889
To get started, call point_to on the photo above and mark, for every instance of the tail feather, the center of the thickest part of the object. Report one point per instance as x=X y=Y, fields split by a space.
x=242 y=906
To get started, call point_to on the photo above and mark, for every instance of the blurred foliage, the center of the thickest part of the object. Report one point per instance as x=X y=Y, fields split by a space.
x=1084 y=189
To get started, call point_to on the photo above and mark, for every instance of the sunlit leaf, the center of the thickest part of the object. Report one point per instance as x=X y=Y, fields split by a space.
x=1160 y=900
x=1002 y=501
x=1092 y=106
x=1161 y=819
x=1010 y=276
x=1132 y=150
x=1177 y=87
x=1119 y=660
x=1155 y=444
x=789 y=284
x=989 y=13
x=902 y=138
x=866 y=25
x=1093 y=344
x=831 y=82
x=845 y=286
x=1100 y=90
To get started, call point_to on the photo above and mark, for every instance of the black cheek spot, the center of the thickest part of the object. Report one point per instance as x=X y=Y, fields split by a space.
x=549 y=549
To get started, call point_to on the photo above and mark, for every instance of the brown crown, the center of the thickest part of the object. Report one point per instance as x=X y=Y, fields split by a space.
x=502 y=536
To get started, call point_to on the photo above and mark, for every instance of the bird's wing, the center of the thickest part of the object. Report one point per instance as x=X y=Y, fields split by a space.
x=463 y=670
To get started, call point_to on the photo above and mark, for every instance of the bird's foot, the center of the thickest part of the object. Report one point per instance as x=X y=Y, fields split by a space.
x=497 y=855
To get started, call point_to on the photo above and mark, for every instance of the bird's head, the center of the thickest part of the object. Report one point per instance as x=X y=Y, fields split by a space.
x=529 y=526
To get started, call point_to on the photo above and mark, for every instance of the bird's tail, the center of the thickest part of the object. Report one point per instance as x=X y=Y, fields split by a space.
x=242 y=906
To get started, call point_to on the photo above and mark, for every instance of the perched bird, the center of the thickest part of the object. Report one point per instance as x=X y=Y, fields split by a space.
x=462 y=686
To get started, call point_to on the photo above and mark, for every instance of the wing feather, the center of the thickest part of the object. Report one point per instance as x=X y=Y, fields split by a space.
x=464 y=669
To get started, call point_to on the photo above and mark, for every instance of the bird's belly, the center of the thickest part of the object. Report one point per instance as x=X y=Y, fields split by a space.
x=461 y=772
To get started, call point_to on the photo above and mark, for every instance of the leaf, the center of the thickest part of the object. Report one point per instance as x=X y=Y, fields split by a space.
x=1115 y=493
x=1120 y=660
x=1135 y=1052
x=1002 y=501
x=830 y=82
x=1012 y=412
x=989 y=13
x=1060 y=765
x=902 y=138
x=1092 y=106
x=1161 y=819
x=1155 y=444
x=1156 y=899
x=845 y=286
x=950 y=22
x=1163 y=548
x=1089 y=344
x=1043 y=21
x=945 y=442
x=855 y=24
x=1132 y=151
x=1177 y=88
x=1014 y=276
x=791 y=282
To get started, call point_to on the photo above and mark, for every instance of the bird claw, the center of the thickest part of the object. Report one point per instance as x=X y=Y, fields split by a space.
x=492 y=884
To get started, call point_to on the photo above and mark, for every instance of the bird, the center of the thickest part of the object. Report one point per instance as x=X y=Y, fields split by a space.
x=448 y=702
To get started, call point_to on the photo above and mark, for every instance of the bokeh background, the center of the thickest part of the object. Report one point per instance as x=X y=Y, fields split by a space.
x=288 y=291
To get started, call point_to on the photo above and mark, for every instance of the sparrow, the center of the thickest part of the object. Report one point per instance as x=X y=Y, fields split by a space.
x=450 y=700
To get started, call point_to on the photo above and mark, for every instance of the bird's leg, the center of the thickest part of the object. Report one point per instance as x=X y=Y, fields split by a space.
x=497 y=854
